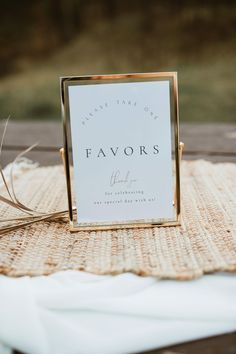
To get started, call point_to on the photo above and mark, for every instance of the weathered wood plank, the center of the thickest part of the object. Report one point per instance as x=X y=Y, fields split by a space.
x=20 y=134
x=49 y=158
x=209 y=137
x=44 y=158
x=214 y=142
x=197 y=137
x=223 y=344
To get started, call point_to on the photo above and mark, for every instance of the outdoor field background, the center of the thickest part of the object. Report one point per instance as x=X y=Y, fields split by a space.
x=43 y=40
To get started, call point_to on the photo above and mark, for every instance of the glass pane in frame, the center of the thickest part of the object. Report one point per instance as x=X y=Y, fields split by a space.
x=66 y=84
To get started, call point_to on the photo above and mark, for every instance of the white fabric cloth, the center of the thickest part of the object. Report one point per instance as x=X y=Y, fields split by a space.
x=74 y=312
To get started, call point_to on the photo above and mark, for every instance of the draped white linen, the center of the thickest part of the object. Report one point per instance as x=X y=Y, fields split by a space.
x=74 y=312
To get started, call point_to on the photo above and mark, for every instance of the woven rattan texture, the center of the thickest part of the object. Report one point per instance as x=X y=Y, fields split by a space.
x=206 y=241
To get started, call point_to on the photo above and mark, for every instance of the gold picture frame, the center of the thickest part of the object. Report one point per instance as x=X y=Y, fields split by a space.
x=67 y=151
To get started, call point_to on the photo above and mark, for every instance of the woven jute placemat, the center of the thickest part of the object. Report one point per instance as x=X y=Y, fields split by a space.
x=206 y=241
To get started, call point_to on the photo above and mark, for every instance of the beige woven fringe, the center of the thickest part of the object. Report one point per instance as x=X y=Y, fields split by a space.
x=206 y=241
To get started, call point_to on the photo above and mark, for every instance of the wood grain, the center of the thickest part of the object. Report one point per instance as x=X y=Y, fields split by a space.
x=213 y=142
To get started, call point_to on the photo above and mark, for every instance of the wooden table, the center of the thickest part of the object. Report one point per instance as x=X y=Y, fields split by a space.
x=215 y=143
x=212 y=142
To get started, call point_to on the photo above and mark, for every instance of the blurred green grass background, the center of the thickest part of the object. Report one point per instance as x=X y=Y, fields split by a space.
x=198 y=41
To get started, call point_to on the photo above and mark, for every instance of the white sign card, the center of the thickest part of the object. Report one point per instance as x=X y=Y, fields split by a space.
x=121 y=139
